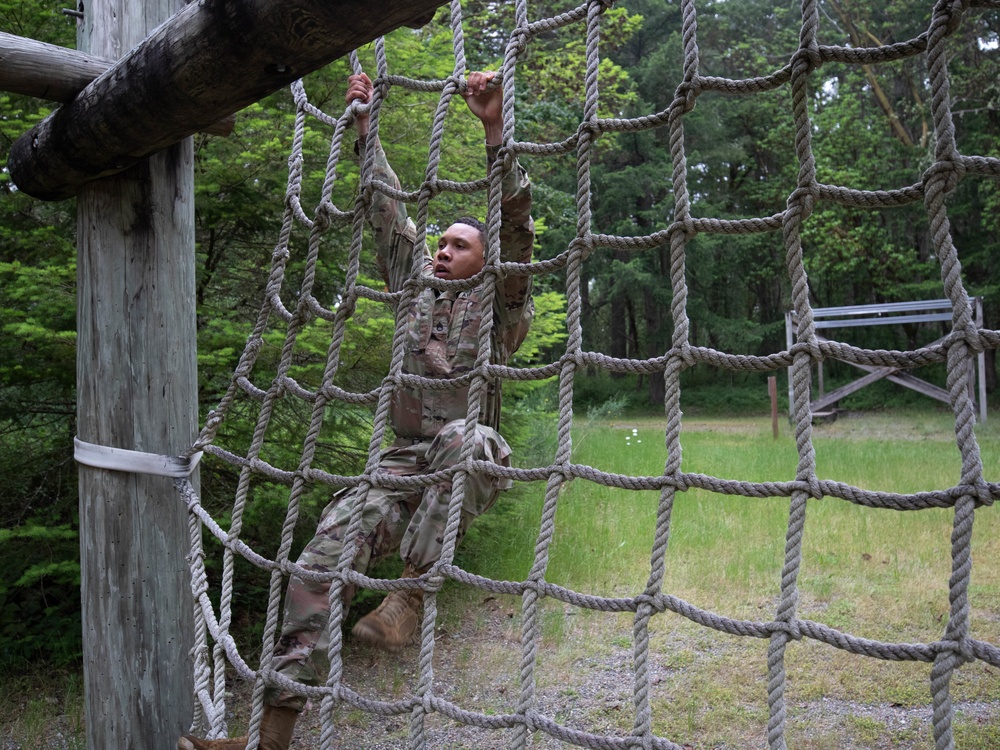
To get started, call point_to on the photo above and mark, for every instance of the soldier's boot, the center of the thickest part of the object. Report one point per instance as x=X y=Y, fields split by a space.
x=276 y=728
x=391 y=625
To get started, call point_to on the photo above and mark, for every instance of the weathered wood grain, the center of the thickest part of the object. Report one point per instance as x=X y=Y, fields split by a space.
x=48 y=71
x=211 y=59
x=136 y=389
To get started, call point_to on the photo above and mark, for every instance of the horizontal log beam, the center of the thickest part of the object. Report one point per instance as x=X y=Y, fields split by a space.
x=211 y=59
x=58 y=74
x=45 y=71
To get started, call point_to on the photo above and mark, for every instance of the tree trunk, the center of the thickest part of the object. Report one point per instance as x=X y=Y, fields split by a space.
x=618 y=324
x=655 y=320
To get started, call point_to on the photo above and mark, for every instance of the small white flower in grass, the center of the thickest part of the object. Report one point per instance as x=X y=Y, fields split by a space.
x=635 y=431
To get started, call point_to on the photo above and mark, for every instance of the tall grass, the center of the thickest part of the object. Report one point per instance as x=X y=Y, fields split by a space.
x=877 y=574
x=726 y=552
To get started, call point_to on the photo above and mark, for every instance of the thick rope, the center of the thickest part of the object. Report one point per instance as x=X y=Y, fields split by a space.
x=293 y=310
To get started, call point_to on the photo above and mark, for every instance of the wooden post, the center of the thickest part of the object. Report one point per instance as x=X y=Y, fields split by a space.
x=137 y=389
x=981 y=360
x=772 y=392
x=790 y=330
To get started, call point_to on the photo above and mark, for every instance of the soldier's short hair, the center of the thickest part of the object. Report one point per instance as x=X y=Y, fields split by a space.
x=477 y=225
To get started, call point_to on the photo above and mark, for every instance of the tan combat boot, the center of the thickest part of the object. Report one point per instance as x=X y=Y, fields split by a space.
x=275 y=733
x=392 y=624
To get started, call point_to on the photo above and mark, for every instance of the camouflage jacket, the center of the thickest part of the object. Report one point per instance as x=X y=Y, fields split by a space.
x=442 y=327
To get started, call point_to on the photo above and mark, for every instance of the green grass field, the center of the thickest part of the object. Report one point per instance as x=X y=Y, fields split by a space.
x=876 y=574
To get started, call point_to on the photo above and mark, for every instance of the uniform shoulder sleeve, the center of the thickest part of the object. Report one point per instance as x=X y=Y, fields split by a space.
x=517 y=240
x=393 y=231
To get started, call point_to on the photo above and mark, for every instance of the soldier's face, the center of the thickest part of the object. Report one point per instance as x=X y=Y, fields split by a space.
x=459 y=254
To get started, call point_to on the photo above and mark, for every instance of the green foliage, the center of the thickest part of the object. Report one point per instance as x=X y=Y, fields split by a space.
x=39 y=594
x=741 y=162
x=592 y=393
x=547 y=334
x=39 y=572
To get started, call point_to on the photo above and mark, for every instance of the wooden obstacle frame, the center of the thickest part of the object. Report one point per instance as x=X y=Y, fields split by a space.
x=890 y=313
x=146 y=75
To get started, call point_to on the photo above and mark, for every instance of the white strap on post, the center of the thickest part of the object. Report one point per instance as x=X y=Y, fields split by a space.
x=136 y=462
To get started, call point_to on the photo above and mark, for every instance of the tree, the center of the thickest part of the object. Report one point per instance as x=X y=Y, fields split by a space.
x=40 y=578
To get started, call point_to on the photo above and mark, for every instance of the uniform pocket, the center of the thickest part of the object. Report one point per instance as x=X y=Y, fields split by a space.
x=419 y=327
x=463 y=337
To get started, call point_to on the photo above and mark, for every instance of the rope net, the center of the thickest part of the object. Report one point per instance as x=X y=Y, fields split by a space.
x=293 y=310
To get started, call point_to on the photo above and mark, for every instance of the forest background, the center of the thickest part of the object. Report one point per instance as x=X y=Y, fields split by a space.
x=872 y=130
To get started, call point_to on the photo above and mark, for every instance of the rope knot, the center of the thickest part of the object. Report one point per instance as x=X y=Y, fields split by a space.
x=686 y=356
x=804 y=198
x=685 y=226
x=807 y=56
x=323 y=217
x=686 y=95
x=815 y=490
x=815 y=353
x=366 y=193
x=505 y=159
x=430 y=188
x=581 y=245
x=518 y=41
x=950 y=170
x=791 y=629
x=653 y=602
x=348 y=304
x=972 y=337
x=588 y=127
x=960 y=648
x=529 y=721
x=985 y=493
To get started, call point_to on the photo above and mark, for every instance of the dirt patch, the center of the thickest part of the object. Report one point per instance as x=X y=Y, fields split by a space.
x=584 y=681
x=708 y=690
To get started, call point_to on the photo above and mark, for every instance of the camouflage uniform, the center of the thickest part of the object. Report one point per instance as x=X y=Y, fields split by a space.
x=442 y=342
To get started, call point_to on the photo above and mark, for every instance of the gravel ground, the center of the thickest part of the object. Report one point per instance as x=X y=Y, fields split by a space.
x=587 y=689
x=584 y=682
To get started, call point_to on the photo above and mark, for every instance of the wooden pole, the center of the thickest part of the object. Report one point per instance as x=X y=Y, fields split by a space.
x=772 y=392
x=48 y=71
x=209 y=60
x=137 y=389
x=790 y=330
x=981 y=360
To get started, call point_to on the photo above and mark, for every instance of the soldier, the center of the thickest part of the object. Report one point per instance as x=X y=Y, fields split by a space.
x=442 y=342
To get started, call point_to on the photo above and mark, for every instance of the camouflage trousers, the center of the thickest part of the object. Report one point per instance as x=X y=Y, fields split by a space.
x=411 y=521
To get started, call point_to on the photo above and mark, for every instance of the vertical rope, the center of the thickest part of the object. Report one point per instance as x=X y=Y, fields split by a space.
x=942 y=178
x=799 y=207
x=683 y=102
